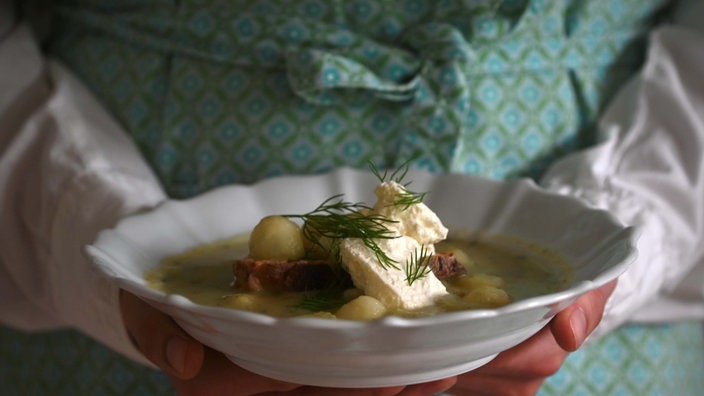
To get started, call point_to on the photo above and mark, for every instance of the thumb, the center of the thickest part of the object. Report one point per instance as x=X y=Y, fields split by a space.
x=160 y=339
x=574 y=324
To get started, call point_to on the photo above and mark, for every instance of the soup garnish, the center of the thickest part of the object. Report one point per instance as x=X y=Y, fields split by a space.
x=353 y=261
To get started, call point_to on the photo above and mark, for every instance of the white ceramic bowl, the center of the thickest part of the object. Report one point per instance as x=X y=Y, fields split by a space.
x=392 y=350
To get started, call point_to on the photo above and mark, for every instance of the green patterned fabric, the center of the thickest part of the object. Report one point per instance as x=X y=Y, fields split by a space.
x=220 y=92
x=636 y=360
x=67 y=363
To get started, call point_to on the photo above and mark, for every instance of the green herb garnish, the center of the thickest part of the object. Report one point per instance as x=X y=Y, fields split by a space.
x=321 y=301
x=417 y=265
x=329 y=297
x=337 y=219
x=405 y=199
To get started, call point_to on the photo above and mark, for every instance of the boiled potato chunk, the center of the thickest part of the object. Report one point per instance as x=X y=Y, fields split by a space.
x=278 y=238
x=452 y=302
x=471 y=282
x=487 y=297
x=362 y=308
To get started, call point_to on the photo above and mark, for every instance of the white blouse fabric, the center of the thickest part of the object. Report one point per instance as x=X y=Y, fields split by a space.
x=649 y=172
x=67 y=170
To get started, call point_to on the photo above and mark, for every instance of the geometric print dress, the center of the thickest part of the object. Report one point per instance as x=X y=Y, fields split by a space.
x=222 y=92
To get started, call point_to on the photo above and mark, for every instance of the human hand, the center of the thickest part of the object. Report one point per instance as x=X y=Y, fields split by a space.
x=522 y=369
x=197 y=370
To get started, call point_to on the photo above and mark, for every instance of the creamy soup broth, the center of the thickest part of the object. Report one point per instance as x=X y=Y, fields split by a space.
x=500 y=270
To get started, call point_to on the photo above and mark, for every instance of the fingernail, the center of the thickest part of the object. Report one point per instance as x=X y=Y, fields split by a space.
x=176 y=349
x=578 y=324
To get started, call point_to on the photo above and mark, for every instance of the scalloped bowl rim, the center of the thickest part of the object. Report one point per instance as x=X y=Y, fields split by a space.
x=528 y=303
x=623 y=237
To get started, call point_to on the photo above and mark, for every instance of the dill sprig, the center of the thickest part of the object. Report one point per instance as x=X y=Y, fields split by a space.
x=337 y=219
x=417 y=265
x=406 y=198
x=321 y=301
x=328 y=297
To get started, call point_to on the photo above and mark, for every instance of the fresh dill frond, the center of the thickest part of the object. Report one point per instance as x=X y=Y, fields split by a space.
x=382 y=258
x=408 y=198
x=321 y=301
x=341 y=219
x=336 y=219
x=405 y=199
x=397 y=175
x=417 y=265
x=375 y=171
x=332 y=296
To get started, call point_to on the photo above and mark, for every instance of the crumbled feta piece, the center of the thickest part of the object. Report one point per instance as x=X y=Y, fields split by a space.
x=416 y=226
x=389 y=285
x=416 y=221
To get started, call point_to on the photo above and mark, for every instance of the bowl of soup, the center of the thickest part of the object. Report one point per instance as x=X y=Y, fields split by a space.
x=525 y=254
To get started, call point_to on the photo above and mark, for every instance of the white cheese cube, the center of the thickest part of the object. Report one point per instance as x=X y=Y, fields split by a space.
x=416 y=221
x=389 y=285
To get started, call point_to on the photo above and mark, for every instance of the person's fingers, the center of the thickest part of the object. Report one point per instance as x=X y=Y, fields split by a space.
x=219 y=376
x=318 y=391
x=429 y=388
x=497 y=386
x=572 y=325
x=160 y=339
x=197 y=370
x=537 y=357
x=522 y=369
x=517 y=371
x=424 y=389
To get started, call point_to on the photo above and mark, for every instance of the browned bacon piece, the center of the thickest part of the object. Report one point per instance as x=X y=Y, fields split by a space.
x=445 y=265
x=282 y=275
x=303 y=275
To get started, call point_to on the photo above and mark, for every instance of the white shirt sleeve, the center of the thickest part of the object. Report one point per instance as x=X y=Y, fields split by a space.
x=67 y=170
x=649 y=172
